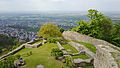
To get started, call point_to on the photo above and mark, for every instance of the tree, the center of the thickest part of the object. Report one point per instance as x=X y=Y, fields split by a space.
x=8 y=62
x=100 y=25
x=8 y=43
x=49 y=30
x=83 y=27
x=94 y=14
x=115 y=36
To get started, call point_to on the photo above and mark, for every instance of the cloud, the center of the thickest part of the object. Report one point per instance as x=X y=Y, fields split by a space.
x=58 y=5
x=57 y=0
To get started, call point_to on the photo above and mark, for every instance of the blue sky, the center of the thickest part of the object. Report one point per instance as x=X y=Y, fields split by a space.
x=58 y=5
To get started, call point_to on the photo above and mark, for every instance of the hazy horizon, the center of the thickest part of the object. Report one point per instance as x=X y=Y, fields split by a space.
x=37 y=6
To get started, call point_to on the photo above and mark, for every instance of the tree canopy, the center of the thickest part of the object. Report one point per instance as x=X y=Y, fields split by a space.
x=98 y=26
x=49 y=30
x=115 y=36
x=7 y=42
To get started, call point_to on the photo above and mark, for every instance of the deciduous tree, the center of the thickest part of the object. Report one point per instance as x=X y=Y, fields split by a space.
x=49 y=30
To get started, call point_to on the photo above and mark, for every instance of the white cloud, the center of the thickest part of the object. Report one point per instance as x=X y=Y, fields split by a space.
x=57 y=0
x=58 y=5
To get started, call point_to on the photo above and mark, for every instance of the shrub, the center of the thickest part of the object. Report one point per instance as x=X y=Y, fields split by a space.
x=56 y=52
x=53 y=40
x=62 y=30
x=8 y=62
x=29 y=53
x=68 y=61
x=18 y=56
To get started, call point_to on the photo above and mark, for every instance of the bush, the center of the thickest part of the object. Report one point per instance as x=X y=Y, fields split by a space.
x=18 y=56
x=68 y=61
x=53 y=40
x=8 y=62
x=62 y=30
x=29 y=53
x=56 y=52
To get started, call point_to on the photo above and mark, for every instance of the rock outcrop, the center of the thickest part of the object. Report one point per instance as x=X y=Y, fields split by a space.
x=107 y=55
x=104 y=57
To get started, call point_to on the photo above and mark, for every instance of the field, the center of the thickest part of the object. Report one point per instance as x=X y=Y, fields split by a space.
x=42 y=56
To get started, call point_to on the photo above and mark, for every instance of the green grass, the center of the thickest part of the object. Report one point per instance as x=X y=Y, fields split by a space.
x=41 y=55
x=89 y=46
x=82 y=56
x=88 y=66
x=69 y=47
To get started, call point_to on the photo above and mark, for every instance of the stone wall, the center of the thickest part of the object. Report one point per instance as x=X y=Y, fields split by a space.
x=13 y=51
x=69 y=35
x=103 y=57
x=62 y=48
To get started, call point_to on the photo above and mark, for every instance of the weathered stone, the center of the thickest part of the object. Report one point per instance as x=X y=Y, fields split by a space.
x=13 y=51
x=62 y=48
x=19 y=64
x=61 y=58
x=40 y=66
x=44 y=41
x=36 y=45
x=80 y=48
x=107 y=55
x=81 y=62
x=104 y=58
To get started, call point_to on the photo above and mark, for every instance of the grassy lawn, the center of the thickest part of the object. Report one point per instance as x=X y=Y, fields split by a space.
x=69 y=47
x=82 y=56
x=88 y=66
x=41 y=55
x=89 y=46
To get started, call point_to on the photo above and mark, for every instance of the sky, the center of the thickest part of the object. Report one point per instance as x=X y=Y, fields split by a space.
x=58 y=5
